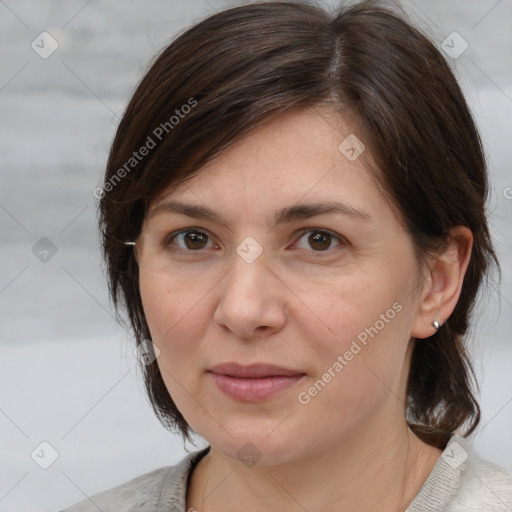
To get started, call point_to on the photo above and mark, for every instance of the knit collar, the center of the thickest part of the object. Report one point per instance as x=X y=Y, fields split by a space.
x=434 y=496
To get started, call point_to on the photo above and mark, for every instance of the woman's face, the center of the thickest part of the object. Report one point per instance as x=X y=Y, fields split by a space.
x=286 y=278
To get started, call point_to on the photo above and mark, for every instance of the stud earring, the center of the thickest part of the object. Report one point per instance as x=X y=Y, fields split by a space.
x=436 y=325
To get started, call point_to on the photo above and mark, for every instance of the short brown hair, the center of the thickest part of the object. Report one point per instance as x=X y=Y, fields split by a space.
x=241 y=66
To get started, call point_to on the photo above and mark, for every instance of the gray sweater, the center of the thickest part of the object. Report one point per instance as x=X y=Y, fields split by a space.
x=460 y=481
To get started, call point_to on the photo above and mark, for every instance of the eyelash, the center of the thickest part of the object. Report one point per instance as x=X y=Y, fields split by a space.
x=169 y=240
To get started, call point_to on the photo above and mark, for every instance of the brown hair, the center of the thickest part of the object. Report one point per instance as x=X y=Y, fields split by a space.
x=239 y=67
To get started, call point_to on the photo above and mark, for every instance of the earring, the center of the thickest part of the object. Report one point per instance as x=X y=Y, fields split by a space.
x=436 y=325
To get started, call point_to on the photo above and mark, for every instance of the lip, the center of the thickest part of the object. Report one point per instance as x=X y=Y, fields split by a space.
x=254 y=383
x=253 y=371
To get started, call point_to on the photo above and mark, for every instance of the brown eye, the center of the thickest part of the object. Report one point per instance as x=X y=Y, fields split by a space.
x=190 y=240
x=319 y=240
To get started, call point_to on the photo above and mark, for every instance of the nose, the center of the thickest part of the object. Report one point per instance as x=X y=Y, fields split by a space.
x=252 y=302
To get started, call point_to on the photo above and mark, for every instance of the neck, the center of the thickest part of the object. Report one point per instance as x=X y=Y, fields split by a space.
x=369 y=471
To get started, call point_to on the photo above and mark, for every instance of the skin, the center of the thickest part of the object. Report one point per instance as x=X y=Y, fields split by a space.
x=296 y=306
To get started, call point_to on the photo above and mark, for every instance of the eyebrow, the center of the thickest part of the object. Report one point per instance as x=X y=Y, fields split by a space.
x=284 y=215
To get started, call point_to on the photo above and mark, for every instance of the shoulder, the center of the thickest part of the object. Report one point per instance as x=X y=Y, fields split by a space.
x=462 y=481
x=484 y=486
x=142 y=490
x=166 y=485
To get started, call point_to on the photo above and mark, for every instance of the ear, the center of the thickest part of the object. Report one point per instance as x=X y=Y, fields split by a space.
x=442 y=287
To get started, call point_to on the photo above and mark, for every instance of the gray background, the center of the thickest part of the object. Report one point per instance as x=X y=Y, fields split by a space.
x=67 y=372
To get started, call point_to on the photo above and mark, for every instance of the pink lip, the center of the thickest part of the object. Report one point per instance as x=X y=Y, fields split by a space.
x=253 y=383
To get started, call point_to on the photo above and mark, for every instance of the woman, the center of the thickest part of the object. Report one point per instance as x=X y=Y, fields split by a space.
x=293 y=215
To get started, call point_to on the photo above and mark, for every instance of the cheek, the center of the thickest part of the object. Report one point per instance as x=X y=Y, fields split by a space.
x=171 y=307
x=176 y=316
x=355 y=379
x=353 y=308
x=174 y=313
x=356 y=343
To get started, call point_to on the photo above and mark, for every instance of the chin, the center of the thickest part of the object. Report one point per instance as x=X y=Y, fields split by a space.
x=258 y=442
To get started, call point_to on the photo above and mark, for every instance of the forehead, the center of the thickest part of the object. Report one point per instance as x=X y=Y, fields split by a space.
x=299 y=156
